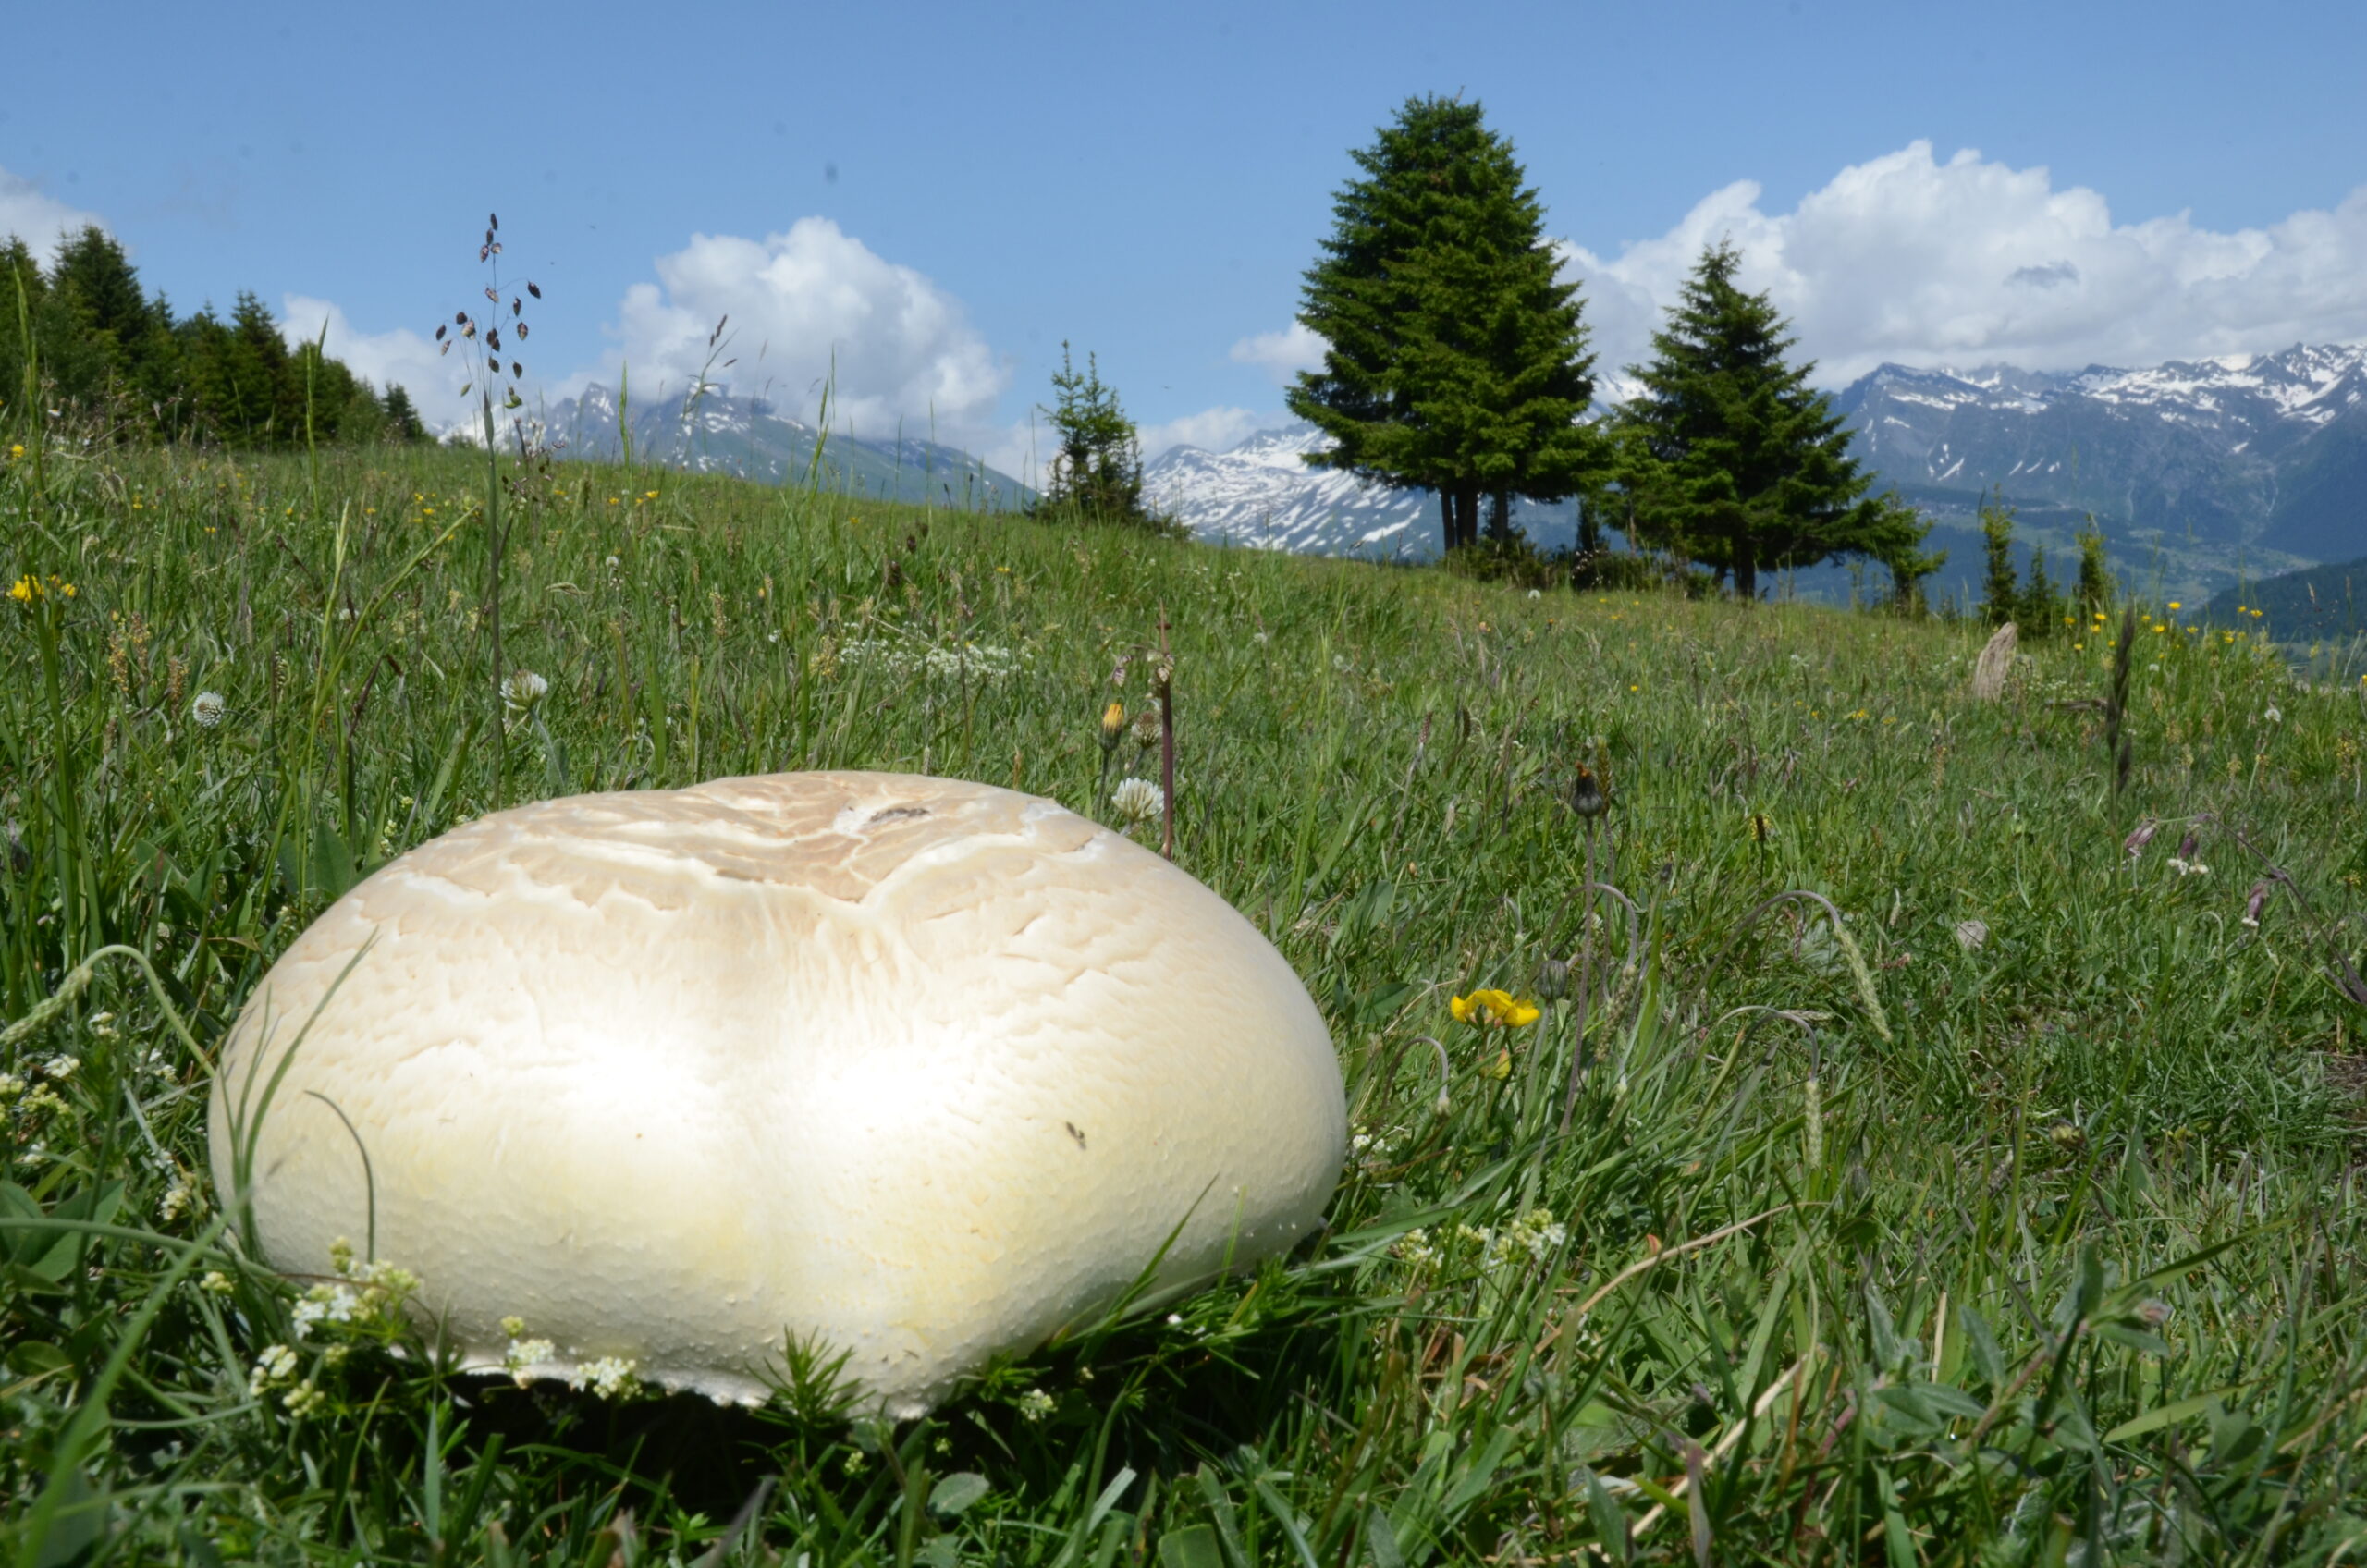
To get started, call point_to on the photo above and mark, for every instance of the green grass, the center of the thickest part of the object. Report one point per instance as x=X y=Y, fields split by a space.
x=2056 y=1257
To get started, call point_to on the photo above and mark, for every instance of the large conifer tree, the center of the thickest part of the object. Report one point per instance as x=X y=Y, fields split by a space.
x=1753 y=466
x=1455 y=356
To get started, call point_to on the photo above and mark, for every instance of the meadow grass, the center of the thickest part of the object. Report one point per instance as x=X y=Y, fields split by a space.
x=2010 y=1217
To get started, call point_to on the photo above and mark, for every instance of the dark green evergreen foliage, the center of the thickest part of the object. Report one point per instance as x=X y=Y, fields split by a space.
x=1097 y=473
x=400 y=420
x=1744 y=467
x=2095 y=590
x=2043 y=608
x=2000 y=590
x=1456 y=358
x=108 y=349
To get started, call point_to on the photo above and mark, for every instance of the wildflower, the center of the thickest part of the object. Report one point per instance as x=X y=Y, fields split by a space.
x=1485 y=1008
x=2143 y=834
x=2273 y=715
x=207 y=709
x=277 y=1365
x=2185 y=867
x=2252 y=902
x=524 y=1354
x=1035 y=1405
x=304 y=1400
x=1414 y=1249
x=1535 y=594
x=1146 y=728
x=1501 y=1068
x=522 y=690
x=1587 y=797
x=513 y=1326
x=1138 y=800
x=611 y=1377
x=176 y=1200
x=11 y=1086
x=325 y=1304
x=215 y=1283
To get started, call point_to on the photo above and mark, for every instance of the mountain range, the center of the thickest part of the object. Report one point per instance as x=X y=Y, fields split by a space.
x=2199 y=474
x=719 y=432
x=2203 y=474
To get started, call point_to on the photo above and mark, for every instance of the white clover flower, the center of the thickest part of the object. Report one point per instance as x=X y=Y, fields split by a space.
x=207 y=709
x=523 y=689
x=1035 y=1405
x=1137 y=800
x=2273 y=714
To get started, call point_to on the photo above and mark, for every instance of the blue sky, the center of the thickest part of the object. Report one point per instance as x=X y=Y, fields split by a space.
x=933 y=198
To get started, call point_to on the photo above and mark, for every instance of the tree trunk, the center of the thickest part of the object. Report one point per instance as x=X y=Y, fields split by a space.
x=1746 y=570
x=1500 y=518
x=1466 y=508
x=1446 y=519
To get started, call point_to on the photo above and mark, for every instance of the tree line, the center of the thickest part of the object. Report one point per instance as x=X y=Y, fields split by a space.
x=1457 y=362
x=103 y=344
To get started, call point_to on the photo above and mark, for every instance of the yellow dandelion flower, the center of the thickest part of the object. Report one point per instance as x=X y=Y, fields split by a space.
x=1492 y=1007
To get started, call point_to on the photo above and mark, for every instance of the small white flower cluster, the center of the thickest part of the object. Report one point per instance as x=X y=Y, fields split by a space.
x=523 y=1352
x=1415 y=1250
x=178 y=1199
x=611 y=1377
x=2189 y=867
x=11 y=1085
x=1538 y=1233
x=1373 y=1150
x=275 y=1369
x=1035 y=1405
x=59 y=1068
x=973 y=661
x=364 y=1295
x=1137 y=800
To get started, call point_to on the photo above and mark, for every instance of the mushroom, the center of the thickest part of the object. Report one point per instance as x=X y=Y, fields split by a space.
x=911 y=1069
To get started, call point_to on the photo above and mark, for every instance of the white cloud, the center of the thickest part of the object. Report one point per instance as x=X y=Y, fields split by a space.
x=809 y=307
x=1967 y=261
x=1212 y=429
x=400 y=358
x=29 y=213
x=1281 y=354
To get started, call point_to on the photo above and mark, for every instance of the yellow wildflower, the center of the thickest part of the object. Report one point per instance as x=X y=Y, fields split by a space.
x=1492 y=1007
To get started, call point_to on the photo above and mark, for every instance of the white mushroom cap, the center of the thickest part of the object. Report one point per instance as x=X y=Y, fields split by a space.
x=922 y=1069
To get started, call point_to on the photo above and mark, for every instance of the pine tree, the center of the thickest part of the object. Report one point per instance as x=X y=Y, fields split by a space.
x=1754 y=466
x=403 y=422
x=2095 y=590
x=1455 y=356
x=1096 y=472
x=2042 y=610
x=2000 y=590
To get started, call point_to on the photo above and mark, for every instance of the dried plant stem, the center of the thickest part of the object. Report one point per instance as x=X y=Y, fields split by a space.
x=1585 y=989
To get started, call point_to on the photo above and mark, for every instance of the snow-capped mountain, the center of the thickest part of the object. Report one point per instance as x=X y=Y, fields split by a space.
x=2199 y=470
x=1262 y=493
x=2265 y=453
x=719 y=433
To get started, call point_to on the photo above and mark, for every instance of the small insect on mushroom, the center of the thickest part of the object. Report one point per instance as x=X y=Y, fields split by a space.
x=917 y=1071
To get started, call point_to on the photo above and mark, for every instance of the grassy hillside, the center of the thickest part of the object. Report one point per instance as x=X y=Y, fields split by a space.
x=2013 y=1213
